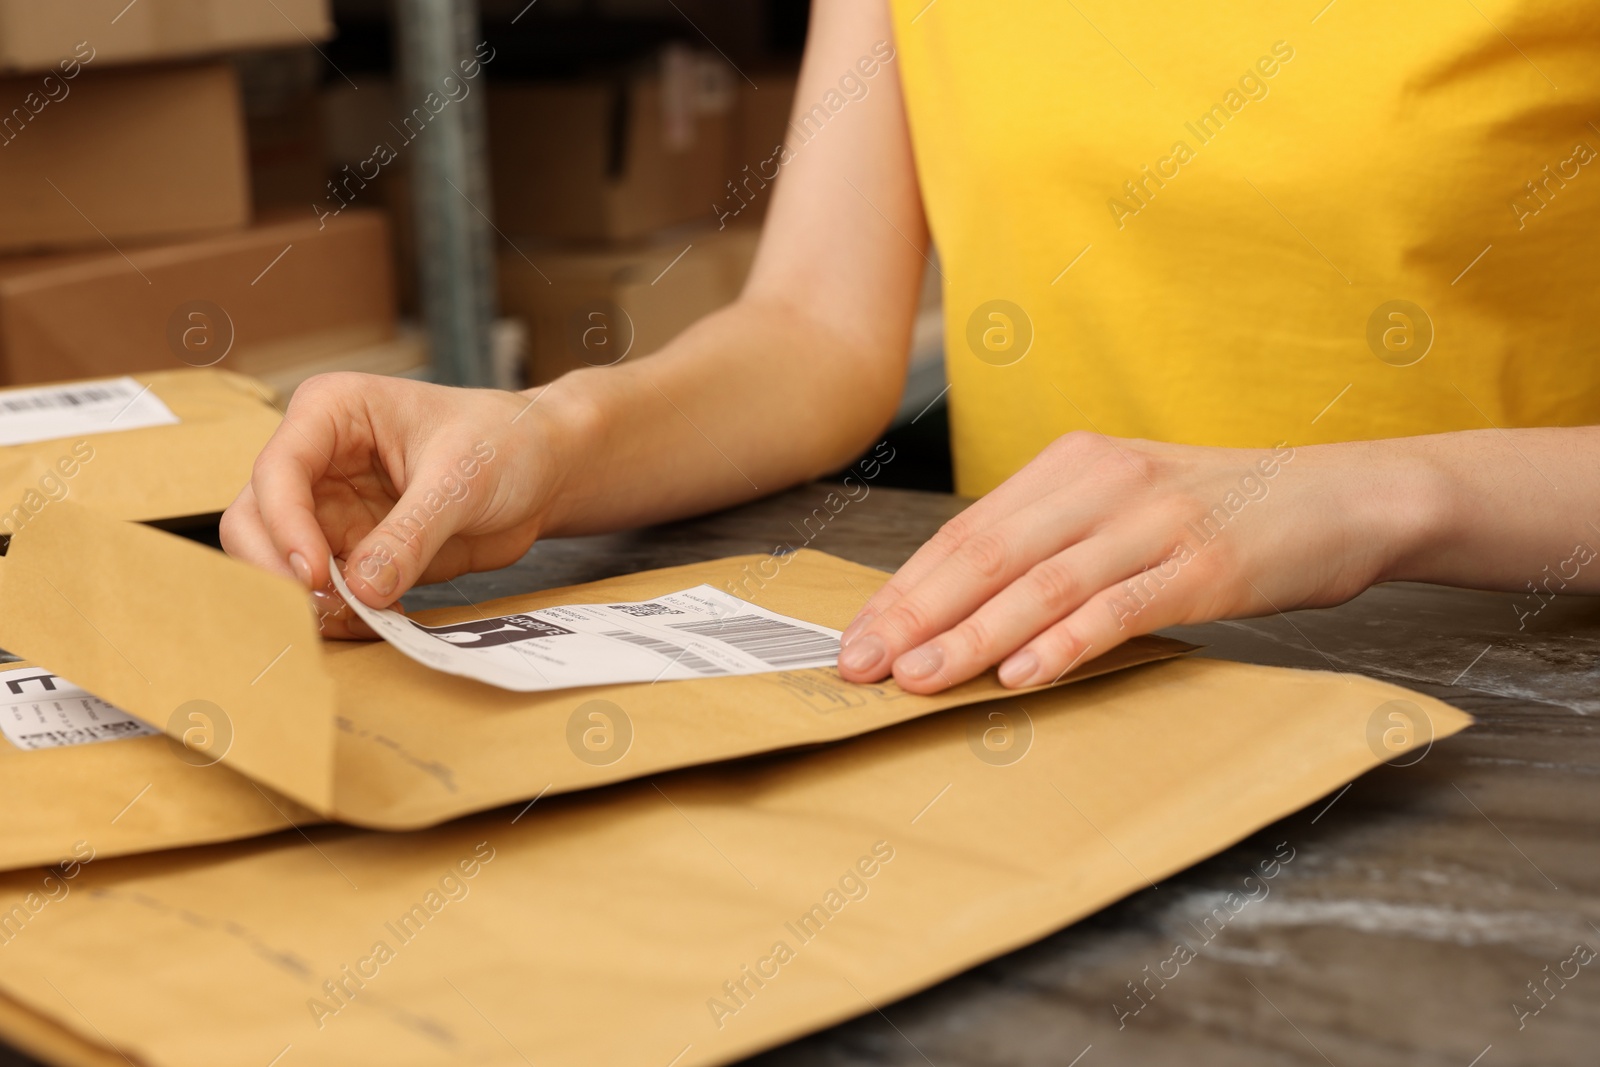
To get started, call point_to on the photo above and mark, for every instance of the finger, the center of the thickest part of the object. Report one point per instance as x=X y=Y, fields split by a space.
x=335 y=620
x=1163 y=596
x=245 y=538
x=396 y=553
x=1050 y=591
x=946 y=540
x=980 y=568
x=1039 y=478
x=457 y=556
x=338 y=622
x=296 y=456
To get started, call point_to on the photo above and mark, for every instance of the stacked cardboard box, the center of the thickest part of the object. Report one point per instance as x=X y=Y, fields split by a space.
x=279 y=291
x=598 y=305
x=35 y=36
x=351 y=123
x=611 y=160
x=103 y=157
x=612 y=195
x=129 y=241
x=283 y=127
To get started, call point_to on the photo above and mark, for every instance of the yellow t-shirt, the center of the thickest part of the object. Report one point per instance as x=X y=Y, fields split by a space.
x=1253 y=221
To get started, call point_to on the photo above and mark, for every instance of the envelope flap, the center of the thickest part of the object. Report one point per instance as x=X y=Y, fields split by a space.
x=218 y=654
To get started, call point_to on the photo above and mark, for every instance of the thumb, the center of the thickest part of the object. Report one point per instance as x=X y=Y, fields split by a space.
x=393 y=556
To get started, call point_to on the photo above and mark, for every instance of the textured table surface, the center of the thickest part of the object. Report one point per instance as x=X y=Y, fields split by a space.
x=1421 y=901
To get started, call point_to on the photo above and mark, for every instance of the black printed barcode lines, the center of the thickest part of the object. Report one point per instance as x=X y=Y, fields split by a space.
x=673 y=652
x=777 y=644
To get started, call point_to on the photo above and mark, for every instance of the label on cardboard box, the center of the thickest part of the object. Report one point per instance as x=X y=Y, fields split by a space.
x=693 y=633
x=44 y=413
x=42 y=710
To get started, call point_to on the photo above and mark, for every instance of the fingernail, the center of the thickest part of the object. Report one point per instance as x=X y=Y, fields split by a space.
x=327 y=606
x=864 y=655
x=920 y=662
x=302 y=569
x=1015 y=672
x=327 y=601
x=853 y=631
x=380 y=574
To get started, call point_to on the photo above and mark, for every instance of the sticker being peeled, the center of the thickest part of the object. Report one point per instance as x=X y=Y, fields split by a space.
x=42 y=710
x=694 y=633
x=45 y=413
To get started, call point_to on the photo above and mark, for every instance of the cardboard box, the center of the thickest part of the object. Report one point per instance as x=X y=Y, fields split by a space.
x=120 y=156
x=404 y=355
x=277 y=294
x=283 y=123
x=286 y=168
x=609 y=161
x=35 y=35
x=353 y=122
x=596 y=307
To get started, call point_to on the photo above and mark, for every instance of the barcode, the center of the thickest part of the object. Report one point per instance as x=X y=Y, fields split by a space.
x=671 y=651
x=777 y=644
x=61 y=398
x=644 y=611
x=82 y=735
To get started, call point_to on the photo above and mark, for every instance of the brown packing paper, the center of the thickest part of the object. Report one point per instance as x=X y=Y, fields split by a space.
x=159 y=472
x=358 y=732
x=602 y=928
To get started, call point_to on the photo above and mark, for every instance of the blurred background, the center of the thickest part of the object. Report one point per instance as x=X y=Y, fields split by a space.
x=475 y=192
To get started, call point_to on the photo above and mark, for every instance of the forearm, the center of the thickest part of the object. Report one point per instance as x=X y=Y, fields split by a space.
x=797 y=376
x=1491 y=509
x=751 y=400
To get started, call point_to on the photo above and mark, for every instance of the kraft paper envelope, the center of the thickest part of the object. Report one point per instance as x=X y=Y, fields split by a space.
x=165 y=629
x=696 y=917
x=126 y=796
x=191 y=468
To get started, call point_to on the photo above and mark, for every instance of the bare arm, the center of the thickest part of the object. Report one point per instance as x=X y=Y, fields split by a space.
x=791 y=380
x=1496 y=509
x=1099 y=539
x=796 y=377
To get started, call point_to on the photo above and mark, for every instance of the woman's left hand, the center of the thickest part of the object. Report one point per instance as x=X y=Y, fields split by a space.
x=1099 y=539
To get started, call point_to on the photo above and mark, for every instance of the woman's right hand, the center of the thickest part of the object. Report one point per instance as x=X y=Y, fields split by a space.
x=790 y=381
x=403 y=481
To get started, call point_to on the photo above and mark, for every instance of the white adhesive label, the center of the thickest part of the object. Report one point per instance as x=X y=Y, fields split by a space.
x=42 y=710
x=694 y=633
x=52 y=411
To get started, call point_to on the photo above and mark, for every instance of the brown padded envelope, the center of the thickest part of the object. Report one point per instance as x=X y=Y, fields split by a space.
x=153 y=473
x=357 y=732
x=604 y=923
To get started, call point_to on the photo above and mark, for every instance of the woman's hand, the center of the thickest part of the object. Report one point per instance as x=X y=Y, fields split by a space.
x=403 y=481
x=1099 y=539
